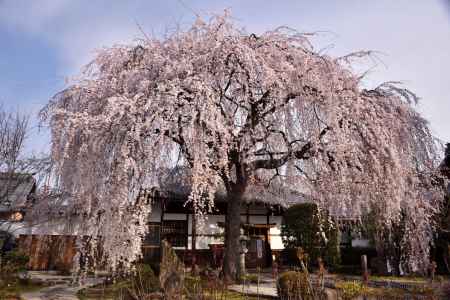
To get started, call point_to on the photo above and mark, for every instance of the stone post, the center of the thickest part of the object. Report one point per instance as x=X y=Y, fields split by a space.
x=365 y=272
x=171 y=275
x=242 y=263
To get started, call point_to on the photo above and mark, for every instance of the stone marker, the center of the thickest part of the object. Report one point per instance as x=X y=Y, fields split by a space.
x=171 y=274
x=365 y=272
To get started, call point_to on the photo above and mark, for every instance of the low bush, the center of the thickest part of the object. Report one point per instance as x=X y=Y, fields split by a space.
x=294 y=286
x=193 y=287
x=12 y=288
x=141 y=284
x=446 y=291
x=145 y=279
x=12 y=263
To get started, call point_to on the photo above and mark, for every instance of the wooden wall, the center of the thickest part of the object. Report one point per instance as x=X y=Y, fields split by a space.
x=48 y=252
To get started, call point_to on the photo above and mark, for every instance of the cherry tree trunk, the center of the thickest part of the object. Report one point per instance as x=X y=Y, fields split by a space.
x=232 y=235
x=445 y=167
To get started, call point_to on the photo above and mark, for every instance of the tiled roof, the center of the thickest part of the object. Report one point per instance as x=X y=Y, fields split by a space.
x=176 y=184
x=15 y=190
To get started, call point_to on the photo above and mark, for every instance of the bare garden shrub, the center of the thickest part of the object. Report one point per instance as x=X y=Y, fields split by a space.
x=294 y=285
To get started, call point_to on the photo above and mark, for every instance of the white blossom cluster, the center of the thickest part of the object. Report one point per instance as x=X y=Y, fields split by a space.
x=266 y=115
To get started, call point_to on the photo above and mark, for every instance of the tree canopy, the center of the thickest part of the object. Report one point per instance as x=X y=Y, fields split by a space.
x=262 y=114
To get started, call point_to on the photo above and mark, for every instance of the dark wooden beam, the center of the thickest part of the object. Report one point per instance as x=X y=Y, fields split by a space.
x=194 y=232
x=247 y=218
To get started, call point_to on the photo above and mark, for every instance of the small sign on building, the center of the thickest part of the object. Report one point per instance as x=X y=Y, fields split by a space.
x=259 y=248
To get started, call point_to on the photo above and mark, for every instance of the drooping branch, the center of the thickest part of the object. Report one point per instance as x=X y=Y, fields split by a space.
x=305 y=152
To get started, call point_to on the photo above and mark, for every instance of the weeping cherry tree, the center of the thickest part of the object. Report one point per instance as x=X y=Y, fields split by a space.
x=255 y=115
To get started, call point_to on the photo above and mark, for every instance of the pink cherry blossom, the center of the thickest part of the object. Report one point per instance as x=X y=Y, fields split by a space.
x=265 y=113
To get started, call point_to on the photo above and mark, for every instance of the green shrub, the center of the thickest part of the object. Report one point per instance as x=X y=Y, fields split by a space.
x=294 y=286
x=12 y=263
x=144 y=279
x=140 y=284
x=306 y=227
x=332 y=253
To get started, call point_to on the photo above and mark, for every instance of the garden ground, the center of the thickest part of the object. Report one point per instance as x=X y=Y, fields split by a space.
x=349 y=287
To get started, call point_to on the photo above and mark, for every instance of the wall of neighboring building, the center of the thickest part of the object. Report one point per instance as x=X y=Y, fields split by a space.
x=210 y=231
x=155 y=215
x=14 y=228
x=48 y=252
x=276 y=242
x=18 y=228
x=363 y=243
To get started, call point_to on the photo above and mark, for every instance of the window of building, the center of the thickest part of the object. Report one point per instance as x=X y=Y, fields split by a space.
x=153 y=236
x=255 y=231
x=175 y=232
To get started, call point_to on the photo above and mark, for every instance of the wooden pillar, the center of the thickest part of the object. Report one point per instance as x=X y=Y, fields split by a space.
x=194 y=232
x=247 y=219
x=268 y=227
x=162 y=220
x=187 y=232
x=161 y=201
x=269 y=260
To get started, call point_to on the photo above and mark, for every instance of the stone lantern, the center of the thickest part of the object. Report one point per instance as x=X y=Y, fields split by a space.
x=243 y=241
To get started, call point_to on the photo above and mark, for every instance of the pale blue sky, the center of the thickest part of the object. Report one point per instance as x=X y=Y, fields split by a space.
x=44 y=41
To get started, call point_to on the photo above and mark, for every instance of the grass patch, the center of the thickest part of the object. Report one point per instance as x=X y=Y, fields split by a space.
x=406 y=279
x=251 y=278
x=114 y=291
x=104 y=291
x=351 y=289
x=230 y=295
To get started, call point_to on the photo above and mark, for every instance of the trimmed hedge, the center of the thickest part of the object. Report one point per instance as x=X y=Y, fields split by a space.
x=306 y=227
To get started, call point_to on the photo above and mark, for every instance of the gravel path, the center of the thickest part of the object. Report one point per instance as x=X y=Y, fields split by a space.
x=267 y=288
x=63 y=290
x=57 y=292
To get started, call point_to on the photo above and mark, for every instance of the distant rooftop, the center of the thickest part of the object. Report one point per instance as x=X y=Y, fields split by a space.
x=15 y=190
